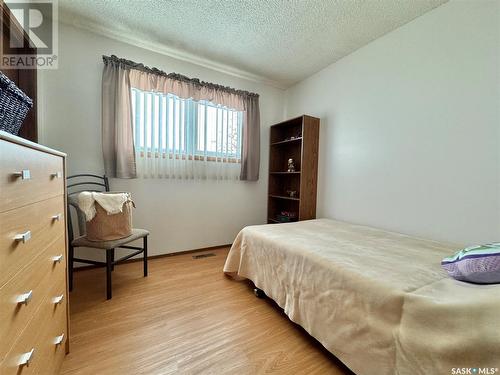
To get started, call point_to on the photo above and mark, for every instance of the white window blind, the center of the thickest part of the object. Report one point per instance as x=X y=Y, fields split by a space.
x=184 y=138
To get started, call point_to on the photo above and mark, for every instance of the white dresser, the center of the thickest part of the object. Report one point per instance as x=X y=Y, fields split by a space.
x=34 y=324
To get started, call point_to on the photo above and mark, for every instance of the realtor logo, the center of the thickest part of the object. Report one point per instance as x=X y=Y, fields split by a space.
x=37 y=21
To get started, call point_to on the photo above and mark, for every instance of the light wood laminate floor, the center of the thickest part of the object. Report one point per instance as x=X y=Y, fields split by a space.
x=185 y=318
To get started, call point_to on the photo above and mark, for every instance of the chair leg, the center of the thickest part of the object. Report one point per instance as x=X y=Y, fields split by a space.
x=112 y=259
x=109 y=265
x=145 y=255
x=71 y=255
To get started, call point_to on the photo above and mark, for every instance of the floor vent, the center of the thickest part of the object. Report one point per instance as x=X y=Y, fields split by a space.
x=199 y=256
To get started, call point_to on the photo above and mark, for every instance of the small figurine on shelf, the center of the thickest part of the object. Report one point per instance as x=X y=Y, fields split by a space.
x=290 y=214
x=292 y=193
x=286 y=216
x=291 y=166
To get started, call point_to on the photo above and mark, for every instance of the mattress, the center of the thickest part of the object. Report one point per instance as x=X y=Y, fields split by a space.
x=379 y=301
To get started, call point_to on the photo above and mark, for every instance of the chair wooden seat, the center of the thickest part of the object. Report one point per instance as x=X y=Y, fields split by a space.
x=82 y=241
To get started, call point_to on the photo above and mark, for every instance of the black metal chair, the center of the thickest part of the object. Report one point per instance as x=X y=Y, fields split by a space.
x=90 y=182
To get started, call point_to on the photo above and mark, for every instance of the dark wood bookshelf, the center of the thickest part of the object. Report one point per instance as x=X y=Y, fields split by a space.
x=298 y=139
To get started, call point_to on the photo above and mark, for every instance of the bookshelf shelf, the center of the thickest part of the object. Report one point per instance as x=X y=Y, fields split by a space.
x=298 y=139
x=283 y=197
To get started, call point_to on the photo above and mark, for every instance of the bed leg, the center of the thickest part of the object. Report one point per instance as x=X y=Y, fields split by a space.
x=259 y=293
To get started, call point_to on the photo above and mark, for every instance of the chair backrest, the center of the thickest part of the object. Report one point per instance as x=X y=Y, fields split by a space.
x=75 y=185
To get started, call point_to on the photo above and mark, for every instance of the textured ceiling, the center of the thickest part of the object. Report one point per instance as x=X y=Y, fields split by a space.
x=281 y=41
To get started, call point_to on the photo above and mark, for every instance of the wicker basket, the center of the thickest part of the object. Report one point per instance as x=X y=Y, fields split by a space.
x=104 y=227
x=14 y=105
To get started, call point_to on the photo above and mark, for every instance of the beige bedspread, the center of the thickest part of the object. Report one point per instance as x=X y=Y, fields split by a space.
x=379 y=301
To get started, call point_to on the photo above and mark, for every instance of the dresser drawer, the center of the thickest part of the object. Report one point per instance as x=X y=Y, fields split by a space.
x=43 y=175
x=39 y=338
x=21 y=297
x=53 y=344
x=53 y=349
x=42 y=223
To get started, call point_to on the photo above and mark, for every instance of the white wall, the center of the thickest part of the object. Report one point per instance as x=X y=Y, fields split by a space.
x=180 y=215
x=410 y=127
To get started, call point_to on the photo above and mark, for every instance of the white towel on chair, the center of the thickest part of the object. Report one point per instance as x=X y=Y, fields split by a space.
x=112 y=203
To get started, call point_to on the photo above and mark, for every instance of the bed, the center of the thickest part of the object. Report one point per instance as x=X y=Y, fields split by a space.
x=379 y=301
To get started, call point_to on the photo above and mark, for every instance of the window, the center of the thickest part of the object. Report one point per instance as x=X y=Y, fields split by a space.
x=167 y=126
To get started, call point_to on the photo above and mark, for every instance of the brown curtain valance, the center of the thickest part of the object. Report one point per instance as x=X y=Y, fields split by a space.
x=119 y=161
x=129 y=64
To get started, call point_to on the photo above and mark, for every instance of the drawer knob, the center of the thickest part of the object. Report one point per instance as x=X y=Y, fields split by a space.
x=24 y=237
x=57 y=300
x=59 y=339
x=56 y=175
x=26 y=358
x=25 y=298
x=57 y=259
x=57 y=217
x=25 y=174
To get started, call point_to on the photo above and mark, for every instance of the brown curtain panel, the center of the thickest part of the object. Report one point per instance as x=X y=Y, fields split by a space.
x=120 y=75
x=117 y=127
x=250 y=152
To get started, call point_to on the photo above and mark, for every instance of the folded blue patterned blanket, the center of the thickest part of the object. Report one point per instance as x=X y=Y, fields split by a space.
x=475 y=264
